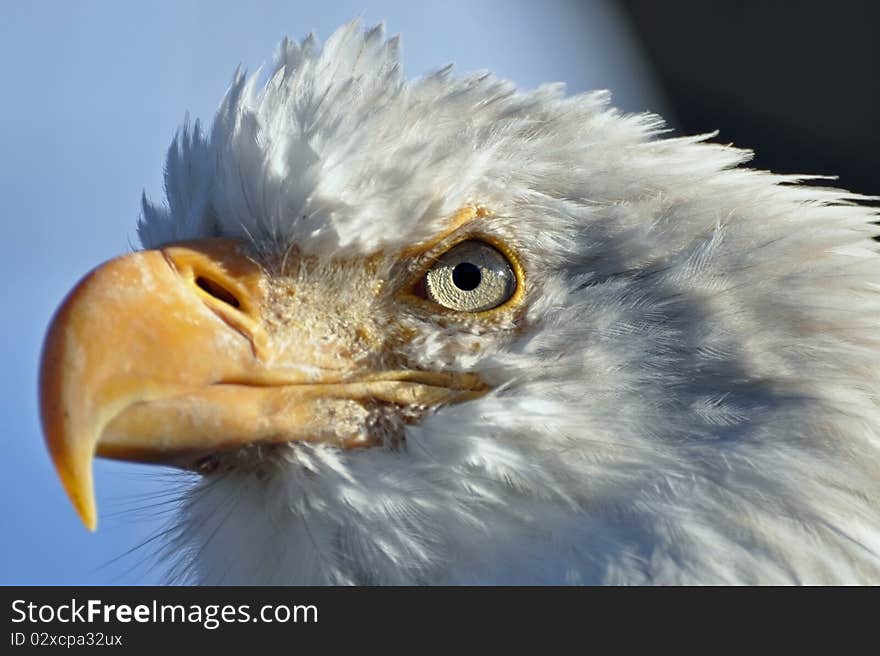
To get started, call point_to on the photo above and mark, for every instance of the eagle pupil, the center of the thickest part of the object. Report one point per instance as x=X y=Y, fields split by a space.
x=466 y=276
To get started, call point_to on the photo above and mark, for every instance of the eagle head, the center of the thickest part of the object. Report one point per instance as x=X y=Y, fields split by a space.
x=446 y=331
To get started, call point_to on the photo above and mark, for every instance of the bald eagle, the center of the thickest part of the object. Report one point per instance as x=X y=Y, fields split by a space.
x=446 y=331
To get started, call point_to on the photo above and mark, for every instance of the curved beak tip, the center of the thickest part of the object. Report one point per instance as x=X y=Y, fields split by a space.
x=80 y=490
x=76 y=478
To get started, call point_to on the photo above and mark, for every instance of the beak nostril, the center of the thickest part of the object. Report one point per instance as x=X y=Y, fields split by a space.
x=218 y=291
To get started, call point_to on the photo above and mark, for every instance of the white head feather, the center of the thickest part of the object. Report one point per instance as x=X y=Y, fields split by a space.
x=692 y=395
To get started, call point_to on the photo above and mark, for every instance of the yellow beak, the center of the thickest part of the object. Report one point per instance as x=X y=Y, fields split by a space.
x=163 y=356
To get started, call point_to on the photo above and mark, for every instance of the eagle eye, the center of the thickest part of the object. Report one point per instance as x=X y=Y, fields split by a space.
x=472 y=276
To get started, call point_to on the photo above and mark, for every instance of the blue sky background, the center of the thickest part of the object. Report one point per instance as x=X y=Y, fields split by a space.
x=91 y=95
